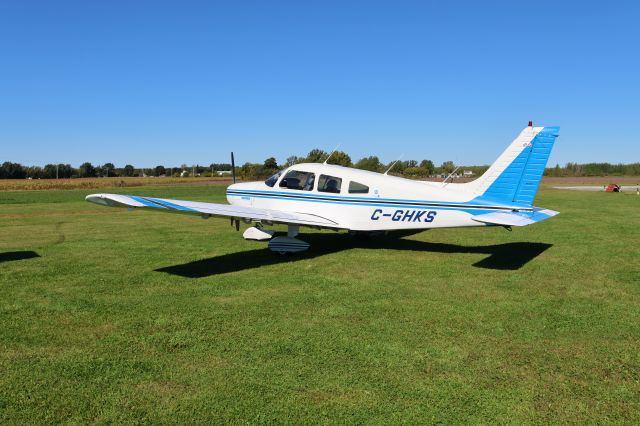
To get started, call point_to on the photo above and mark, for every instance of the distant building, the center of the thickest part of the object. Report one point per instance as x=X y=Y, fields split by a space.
x=467 y=173
x=224 y=172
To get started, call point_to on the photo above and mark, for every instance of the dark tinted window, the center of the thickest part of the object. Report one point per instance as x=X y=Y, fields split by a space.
x=329 y=184
x=358 y=188
x=295 y=179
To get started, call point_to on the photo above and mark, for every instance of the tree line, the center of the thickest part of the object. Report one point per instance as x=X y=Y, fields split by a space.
x=408 y=168
x=9 y=170
x=594 y=169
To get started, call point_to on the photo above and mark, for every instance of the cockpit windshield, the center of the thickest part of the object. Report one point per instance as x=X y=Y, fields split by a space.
x=273 y=179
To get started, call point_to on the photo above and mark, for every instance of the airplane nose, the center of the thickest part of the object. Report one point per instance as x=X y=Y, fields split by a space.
x=230 y=199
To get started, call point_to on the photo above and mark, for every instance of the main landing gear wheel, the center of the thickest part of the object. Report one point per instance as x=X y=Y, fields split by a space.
x=288 y=244
x=284 y=245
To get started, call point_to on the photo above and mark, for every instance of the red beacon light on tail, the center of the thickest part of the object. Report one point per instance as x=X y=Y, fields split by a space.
x=530 y=123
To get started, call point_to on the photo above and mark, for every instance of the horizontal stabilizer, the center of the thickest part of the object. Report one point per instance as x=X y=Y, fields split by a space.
x=515 y=218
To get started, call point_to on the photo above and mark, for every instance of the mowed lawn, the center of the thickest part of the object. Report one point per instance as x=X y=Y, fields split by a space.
x=112 y=316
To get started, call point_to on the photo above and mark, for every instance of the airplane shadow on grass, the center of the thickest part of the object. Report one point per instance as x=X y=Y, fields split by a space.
x=507 y=256
x=17 y=255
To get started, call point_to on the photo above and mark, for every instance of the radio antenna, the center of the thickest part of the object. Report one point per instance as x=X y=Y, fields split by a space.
x=394 y=163
x=334 y=150
x=450 y=174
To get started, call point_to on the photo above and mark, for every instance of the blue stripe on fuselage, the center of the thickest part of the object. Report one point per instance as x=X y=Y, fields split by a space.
x=475 y=203
x=342 y=198
x=475 y=211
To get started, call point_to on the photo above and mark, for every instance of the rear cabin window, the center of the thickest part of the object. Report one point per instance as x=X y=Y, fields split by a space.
x=295 y=179
x=358 y=188
x=329 y=184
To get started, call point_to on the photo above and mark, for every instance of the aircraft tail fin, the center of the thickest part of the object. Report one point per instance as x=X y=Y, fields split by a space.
x=515 y=176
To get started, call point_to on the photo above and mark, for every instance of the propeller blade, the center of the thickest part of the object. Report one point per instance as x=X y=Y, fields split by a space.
x=233 y=168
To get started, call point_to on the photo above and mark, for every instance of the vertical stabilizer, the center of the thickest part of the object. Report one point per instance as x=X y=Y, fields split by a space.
x=515 y=176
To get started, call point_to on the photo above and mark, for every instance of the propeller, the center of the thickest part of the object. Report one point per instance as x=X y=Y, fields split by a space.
x=233 y=168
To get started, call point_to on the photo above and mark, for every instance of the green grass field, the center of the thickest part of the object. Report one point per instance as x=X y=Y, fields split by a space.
x=108 y=316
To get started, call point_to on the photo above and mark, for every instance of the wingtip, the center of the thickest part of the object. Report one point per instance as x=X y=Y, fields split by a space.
x=96 y=199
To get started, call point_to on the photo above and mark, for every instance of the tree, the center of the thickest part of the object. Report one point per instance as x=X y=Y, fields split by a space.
x=316 y=156
x=66 y=171
x=128 y=170
x=292 y=160
x=11 y=170
x=35 y=172
x=159 y=171
x=216 y=167
x=414 y=172
x=252 y=170
x=270 y=164
x=62 y=171
x=448 y=167
x=371 y=163
x=49 y=171
x=428 y=166
x=86 y=170
x=395 y=166
x=340 y=158
x=108 y=169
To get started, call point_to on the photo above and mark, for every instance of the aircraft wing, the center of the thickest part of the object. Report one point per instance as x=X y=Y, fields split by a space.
x=515 y=218
x=206 y=210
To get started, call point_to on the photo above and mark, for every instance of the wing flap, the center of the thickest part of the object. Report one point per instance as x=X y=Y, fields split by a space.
x=210 y=209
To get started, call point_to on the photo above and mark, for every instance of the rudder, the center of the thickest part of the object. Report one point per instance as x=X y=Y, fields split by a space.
x=534 y=168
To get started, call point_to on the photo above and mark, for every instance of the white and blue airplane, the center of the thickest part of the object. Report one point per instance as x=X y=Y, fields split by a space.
x=326 y=196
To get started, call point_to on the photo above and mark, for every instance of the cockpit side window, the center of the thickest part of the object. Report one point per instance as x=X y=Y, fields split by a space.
x=329 y=184
x=358 y=188
x=273 y=179
x=295 y=179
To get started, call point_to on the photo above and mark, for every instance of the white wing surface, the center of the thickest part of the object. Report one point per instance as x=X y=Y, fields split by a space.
x=210 y=209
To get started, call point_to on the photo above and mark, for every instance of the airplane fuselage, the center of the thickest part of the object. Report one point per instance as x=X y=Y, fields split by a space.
x=363 y=200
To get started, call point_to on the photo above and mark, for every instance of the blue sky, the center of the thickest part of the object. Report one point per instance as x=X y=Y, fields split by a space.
x=172 y=82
